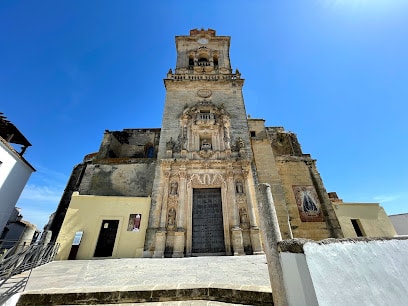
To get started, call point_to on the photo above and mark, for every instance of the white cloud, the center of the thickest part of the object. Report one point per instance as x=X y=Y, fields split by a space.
x=42 y=193
x=385 y=198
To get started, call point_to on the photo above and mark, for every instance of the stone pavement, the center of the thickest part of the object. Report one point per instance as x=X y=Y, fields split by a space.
x=193 y=281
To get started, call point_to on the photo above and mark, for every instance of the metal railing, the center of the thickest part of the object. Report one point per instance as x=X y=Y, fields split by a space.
x=22 y=257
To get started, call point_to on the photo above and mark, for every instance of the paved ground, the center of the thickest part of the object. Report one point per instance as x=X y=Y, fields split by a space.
x=241 y=273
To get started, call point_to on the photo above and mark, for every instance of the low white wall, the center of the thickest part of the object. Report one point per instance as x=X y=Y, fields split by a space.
x=297 y=280
x=348 y=272
x=400 y=223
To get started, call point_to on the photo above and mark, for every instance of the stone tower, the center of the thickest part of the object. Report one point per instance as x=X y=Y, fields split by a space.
x=203 y=196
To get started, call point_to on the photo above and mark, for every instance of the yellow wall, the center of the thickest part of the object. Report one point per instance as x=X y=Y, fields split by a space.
x=85 y=213
x=372 y=218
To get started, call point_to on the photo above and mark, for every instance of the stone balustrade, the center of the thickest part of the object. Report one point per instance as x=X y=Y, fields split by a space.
x=213 y=77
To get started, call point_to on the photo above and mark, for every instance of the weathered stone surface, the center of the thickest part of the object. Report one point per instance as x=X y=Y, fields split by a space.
x=130 y=179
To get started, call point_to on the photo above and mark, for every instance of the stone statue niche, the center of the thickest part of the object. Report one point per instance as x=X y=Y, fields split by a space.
x=243 y=218
x=171 y=219
x=239 y=188
x=174 y=188
x=205 y=145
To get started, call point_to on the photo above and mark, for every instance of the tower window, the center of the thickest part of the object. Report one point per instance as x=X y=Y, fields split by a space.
x=202 y=61
x=252 y=133
x=215 y=61
x=191 y=61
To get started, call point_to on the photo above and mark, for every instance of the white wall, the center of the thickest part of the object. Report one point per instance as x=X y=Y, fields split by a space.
x=372 y=272
x=14 y=174
x=296 y=277
x=400 y=223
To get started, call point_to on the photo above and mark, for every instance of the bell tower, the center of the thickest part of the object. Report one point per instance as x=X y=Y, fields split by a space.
x=203 y=198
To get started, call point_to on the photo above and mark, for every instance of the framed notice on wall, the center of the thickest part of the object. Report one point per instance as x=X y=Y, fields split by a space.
x=134 y=222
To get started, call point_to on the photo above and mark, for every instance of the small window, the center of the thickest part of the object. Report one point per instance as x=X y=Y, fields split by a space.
x=191 y=61
x=150 y=152
x=252 y=133
x=215 y=61
x=357 y=227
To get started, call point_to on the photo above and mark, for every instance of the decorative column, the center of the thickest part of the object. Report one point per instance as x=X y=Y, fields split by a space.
x=182 y=197
x=160 y=244
x=179 y=236
x=231 y=198
x=254 y=229
x=251 y=210
x=163 y=217
x=236 y=231
x=178 y=246
x=160 y=237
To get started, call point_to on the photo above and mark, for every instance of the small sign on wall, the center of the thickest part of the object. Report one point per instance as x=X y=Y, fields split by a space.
x=134 y=222
x=77 y=238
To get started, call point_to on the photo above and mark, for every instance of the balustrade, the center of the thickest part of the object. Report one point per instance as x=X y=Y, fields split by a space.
x=211 y=77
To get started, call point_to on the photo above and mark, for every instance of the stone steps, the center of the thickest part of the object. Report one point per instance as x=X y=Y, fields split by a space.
x=203 y=295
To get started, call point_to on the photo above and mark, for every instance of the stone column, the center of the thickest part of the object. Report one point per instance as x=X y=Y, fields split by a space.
x=271 y=236
x=236 y=232
x=182 y=200
x=231 y=199
x=254 y=229
x=251 y=210
x=160 y=244
x=178 y=246
x=160 y=236
x=179 y=236
x=163 y=213
x=237 y=241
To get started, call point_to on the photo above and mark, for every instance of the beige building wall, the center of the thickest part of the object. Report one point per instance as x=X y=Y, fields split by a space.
x=267 y=172
x=86 y=213
x=286 y=171
x=370 y=217
x=295 y=172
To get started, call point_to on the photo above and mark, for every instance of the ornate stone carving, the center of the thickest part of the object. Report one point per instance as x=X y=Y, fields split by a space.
x=182 y=174
x=245 y=173
x=171 y=219
x=170 y=144
x=230 y=173
x=243 y=218
x=172 y=200
x=206 y=153
x=207 y=179
x=204 y=93
x=240 y=143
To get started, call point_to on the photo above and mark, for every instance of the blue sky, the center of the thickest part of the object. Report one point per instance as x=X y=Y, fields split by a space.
x=335 y=72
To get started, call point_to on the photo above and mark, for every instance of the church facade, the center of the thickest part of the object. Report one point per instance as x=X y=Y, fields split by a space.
x=189 y=188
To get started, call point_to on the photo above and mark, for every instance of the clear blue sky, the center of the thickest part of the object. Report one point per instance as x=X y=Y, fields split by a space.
x=333 y=71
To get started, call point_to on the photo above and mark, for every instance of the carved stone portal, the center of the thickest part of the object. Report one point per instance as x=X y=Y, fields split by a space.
x=208 y=228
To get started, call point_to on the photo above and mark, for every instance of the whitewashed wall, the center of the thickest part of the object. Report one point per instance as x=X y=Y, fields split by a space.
x=13 y=177
x=372 y=272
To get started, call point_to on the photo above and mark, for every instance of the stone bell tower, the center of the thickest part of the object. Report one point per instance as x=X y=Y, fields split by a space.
x=203 y=198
